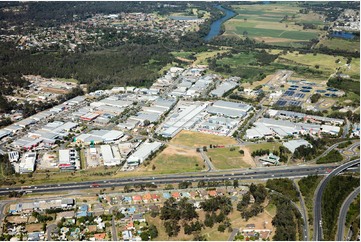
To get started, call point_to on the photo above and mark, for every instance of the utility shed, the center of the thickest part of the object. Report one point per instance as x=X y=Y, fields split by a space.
x=292 y=145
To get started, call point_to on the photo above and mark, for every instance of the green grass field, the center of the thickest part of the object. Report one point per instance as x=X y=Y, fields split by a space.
x=338 y=43
x=167 y=164
x=264 y=146
x=268 y=23
x=327 y=63
x=224 y=158
x=198 y=139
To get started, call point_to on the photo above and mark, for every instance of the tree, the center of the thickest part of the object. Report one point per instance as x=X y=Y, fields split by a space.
x=208 y=221
x=315 y=97
x=245 y=33
x=235 y=183
x=171 y=227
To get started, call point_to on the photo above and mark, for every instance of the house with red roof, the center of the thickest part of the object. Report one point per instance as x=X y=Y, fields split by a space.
x=155 y=197
x=147 y=197
x=212 y=193
x=176 y=195
x=99 y=237
x=137 y=198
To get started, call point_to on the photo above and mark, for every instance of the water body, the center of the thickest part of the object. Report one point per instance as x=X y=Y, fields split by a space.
x=343 y=35
x=216 y=25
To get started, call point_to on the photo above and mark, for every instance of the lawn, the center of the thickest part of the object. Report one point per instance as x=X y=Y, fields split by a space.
x=203 y=56
x=242 y=58
x=263 y=22
x=224 y=158
x=198 y=139
x=34 y=228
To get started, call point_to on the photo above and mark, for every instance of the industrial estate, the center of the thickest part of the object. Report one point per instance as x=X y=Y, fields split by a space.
x=220 y=144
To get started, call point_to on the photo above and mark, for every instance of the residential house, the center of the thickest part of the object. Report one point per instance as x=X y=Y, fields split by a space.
x=100 y=237
x=212 y=193
x=137 y=198
x=176 y=195
x=147 y=197
x=139 y=217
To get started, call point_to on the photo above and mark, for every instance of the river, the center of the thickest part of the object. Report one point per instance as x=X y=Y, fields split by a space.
x=216 y=25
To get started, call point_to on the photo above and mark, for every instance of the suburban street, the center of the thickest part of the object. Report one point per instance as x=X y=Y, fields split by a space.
x=317 y=222
x=343 y=212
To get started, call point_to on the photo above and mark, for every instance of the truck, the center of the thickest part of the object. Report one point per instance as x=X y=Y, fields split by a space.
x=95 y=185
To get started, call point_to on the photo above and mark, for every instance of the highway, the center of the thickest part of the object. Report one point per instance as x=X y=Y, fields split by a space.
x=343 y=212
x=244 y=174
x=317 y=222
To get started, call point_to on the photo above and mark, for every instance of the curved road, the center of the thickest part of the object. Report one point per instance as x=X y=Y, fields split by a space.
x=317 y=222
x=343 y=212
x=303 y=211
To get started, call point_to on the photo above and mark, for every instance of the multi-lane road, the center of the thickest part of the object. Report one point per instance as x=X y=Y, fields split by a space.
x=343 y=212
x=317 y=222
x=249 y=174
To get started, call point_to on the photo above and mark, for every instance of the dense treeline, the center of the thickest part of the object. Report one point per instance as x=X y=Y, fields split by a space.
x=308 y=186
x=309 y=152
x=126 y=65
x=345 y=84
x=337 y=189
x=284 y=186
x=331 y=157
x=288 y=220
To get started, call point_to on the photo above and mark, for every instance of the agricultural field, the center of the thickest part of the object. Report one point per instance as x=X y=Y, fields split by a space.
x=197 y=139
x=262 y=22
x=338 y=43
x=225 y=158
x=326 y=63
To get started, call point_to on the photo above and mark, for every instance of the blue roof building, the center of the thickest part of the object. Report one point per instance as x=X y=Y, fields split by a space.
x=166 y=195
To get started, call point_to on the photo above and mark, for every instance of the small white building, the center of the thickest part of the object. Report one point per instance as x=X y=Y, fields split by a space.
x=27 y=163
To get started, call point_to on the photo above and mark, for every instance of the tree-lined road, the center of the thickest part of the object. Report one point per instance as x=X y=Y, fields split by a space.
x=343 y=212
x=317 y=221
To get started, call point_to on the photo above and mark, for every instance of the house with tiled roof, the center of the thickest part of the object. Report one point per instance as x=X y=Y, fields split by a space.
x=100 y=237
x=147 y=197
x=176 y=195
x=138 y=217
x=193 y=194
x=130 y=226
x=155 y=197
x=137 y=198
x=212 y=193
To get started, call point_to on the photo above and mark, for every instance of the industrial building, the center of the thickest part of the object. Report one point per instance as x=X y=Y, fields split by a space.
x=267 y=127
x=143 y=152
x=218 y=125
x=27 y=163
x=305 y=117
x=68 y=159
x=111 y=155
x=292 y=145
x=223 y=88
x=99 y=136
x=185 y=118
x=229 y=109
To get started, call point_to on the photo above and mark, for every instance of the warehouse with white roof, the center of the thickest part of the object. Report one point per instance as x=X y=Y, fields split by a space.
x=292 y=145
x=143 y=152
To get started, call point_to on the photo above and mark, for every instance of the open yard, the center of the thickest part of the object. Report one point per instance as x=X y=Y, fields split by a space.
x=264 y=146
x=224 y=158
x=277 y=23
x=175 y=160
x=34 y=227
x=196 y=139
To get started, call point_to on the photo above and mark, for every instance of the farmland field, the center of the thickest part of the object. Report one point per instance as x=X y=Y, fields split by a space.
x=279 y=24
